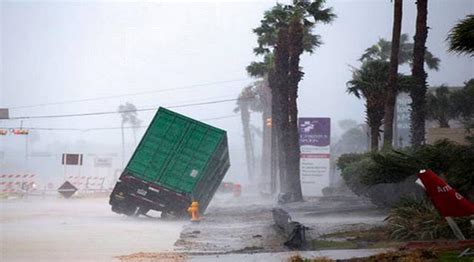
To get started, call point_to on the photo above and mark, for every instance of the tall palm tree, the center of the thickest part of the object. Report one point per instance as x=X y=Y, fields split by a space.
x=309 y=14
x=246 y=102
x=393 y=75
x=418 y=91
x=279 y=86
x=265 y=102
x=129 y=115
x=461 y=37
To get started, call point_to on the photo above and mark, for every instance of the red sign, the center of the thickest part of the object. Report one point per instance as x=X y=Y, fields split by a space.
x=448 y=202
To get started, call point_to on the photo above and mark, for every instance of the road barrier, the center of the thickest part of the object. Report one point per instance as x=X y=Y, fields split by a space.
x=85 y=183
x=17 y=183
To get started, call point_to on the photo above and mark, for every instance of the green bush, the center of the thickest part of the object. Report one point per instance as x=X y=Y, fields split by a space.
x=385 y=177
x=419 y=220
x=449 y=160
x=346 y=159
x=353 y=172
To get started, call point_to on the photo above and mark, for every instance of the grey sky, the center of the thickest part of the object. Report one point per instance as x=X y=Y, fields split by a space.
x=56 y=51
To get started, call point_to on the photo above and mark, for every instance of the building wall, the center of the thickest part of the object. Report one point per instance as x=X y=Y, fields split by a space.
x=457 y=135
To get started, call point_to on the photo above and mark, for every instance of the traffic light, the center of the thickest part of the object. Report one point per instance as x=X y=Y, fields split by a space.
x=268 y=122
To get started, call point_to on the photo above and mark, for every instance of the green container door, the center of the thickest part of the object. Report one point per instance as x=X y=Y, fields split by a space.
x=175 y=151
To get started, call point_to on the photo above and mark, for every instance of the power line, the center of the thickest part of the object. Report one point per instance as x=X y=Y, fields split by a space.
x=123 y=111
x=108 y=128
x=129 y=94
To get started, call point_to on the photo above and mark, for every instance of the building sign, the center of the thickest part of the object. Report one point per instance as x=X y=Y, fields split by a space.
x=72 y=159
x=315 y=136
x=402 y=123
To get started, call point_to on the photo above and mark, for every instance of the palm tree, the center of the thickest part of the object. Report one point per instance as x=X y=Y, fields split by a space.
x=305 y=16
x=264 y=96
x=128 y=112
x=439 y=106
x=382 y=50
x=286 y=31
x=370 y=82
x=461 y=37
x=418 y=91
x=246 y=102
x=463 y=102
x=279 y=85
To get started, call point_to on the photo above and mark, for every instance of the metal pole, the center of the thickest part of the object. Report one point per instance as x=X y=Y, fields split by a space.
x=26 y=152
x=123 y=147
x=454 y=227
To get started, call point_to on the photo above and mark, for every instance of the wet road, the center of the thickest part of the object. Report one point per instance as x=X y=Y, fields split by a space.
x=77 y=230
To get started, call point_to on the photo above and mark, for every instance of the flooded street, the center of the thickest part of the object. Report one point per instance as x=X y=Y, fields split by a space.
x=232 y=229
x=77 y=230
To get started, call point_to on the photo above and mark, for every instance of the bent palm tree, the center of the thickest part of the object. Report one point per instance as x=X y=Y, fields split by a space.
x=129 y=114
x=246 y=102
x=381 y=51
x=370 y=82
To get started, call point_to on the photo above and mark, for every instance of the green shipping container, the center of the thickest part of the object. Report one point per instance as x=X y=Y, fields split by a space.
x=177 y=154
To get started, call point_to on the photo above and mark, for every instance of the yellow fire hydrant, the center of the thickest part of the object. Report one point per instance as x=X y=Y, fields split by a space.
x=193 y=211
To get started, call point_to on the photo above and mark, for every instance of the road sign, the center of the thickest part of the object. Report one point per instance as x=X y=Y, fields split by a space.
x=4 y=113
x=72 y=159
x=67 y=189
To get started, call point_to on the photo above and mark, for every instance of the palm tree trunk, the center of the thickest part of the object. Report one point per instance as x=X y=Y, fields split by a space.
x=245 y=116
x=374 y=138
x=280 y=98
x=266 y=137
x=418 y=92
x=274 y=152
x=293 y=153
x=393 y=75
x=443 y=122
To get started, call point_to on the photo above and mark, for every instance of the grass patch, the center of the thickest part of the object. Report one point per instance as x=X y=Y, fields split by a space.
x=417 y=255
x=373 y=234
x=328 y=244
x=371 y=238
x=453 y=256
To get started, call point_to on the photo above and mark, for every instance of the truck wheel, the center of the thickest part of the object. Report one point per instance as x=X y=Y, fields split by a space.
x=165 y=214
x=142 y=211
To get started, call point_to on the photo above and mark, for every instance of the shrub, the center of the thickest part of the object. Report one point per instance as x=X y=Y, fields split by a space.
x=353 y=172
x=447 y=159
x=419 y=220
x=385 y=177
x=346 y=159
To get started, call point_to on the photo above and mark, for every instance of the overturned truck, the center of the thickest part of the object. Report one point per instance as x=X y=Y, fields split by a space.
x=178 y=160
